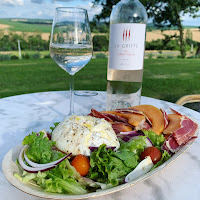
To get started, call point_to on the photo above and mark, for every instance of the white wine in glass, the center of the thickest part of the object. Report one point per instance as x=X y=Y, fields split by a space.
x=71 y=42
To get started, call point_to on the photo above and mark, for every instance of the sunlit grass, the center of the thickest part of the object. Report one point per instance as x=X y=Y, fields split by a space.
x=166 y=79
x=25 y=27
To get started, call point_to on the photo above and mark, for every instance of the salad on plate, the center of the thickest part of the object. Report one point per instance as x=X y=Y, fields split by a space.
x=84 y=154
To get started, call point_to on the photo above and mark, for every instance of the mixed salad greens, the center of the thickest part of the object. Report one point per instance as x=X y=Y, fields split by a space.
x=108 y=168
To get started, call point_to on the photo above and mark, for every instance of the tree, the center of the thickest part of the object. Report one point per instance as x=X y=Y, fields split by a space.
x=100 y=43
x=165 y=13
x=198 y=48
x=106 y=10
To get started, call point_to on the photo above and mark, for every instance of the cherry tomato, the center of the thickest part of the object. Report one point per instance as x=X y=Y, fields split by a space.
x=153 y=152
x=81 y=164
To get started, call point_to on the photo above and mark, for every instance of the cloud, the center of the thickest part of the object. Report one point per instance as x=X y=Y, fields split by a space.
x=12 y=2
x=39 y=13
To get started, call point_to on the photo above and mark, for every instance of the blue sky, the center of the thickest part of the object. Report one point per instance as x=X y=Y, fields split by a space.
x=44 y=9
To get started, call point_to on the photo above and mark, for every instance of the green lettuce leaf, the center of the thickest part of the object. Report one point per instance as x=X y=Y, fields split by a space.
x=129 y=159
x=55 y=124
x=136 y=146
x=65 y=170
x=69 y=185
x=157 y=140
x=108 y=166
x=61 y=179
x=40 y=148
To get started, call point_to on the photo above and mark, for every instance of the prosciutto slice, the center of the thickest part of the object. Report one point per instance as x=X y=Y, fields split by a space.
x=170 y=145
x=116 y=118
x=95 y=113
x=108 y=116
x=133 y=111
x=166 y=118
x=121 y=127
x=119 y=124
x=186 y=131
x=143 y=125
x=128 y=110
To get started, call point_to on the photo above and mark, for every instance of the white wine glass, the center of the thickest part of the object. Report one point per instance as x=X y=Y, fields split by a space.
x=71 y=42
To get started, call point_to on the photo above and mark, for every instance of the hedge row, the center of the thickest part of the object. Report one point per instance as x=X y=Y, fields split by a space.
x=33 y=42
x=100 y=43
x=24 y=56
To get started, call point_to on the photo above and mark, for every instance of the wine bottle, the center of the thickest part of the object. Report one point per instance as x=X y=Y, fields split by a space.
x=126 y=54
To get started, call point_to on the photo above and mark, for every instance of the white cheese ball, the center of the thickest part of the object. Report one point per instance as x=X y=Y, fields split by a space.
x=77 y=133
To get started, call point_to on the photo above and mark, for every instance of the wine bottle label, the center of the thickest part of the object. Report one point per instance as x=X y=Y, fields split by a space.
x=126 y=47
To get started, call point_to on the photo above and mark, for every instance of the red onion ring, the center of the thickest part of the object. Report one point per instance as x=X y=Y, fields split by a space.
x=133 y=135
x=35 y=167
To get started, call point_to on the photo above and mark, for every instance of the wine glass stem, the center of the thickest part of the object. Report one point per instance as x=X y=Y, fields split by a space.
x=71 y=112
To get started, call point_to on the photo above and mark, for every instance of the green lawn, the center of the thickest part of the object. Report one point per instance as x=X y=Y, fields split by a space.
x=34 y=75
x=169 y=79
x=166 y=79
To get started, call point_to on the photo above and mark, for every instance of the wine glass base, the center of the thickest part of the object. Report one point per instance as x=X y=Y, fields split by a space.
x=85 y=93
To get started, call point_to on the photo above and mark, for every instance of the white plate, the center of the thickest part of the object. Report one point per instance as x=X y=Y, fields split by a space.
x=9 y=167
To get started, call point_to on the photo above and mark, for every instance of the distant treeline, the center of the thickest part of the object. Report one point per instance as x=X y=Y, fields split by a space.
x=100 y=43
x=31 y=42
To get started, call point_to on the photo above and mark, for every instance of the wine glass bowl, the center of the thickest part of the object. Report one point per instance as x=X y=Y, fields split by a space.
x=71 y=42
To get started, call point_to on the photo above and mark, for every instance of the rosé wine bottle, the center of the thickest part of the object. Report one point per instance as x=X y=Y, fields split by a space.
x=126 y=54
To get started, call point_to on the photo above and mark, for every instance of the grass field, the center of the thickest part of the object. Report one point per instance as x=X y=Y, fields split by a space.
x=25 y=27
x=44 y=28
x=166 y=79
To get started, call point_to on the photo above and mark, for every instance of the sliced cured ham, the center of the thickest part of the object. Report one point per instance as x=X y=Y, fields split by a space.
x=186 y=131
x=133 y=112
x=128 y=110
x=132 y=118
x=135 y=118
x=121 y=127
x=171 y=145
x=97 y=114
x=180 y=129
x=116 y=118
x=143 y=125
x=166 y=118
x=111 y=117
x=119 y=124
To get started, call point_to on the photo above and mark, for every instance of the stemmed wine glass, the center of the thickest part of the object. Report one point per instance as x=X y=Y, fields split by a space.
x=71 y=42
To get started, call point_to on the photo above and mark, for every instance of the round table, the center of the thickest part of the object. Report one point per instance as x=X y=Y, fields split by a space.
x=22 y=114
